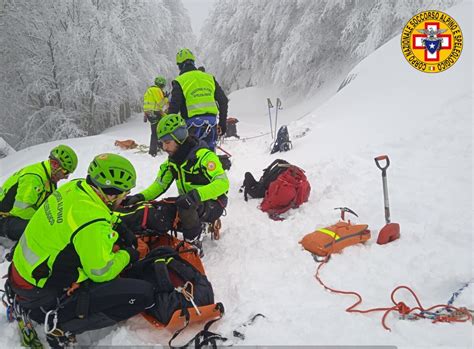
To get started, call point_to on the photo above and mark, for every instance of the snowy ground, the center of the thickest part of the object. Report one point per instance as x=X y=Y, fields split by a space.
x=423 y=122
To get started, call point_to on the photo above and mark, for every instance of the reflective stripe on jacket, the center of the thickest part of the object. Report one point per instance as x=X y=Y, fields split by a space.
x=24 y=192
x=198 y=90
x=70 y=239
x=202 y=170
x=154 y=99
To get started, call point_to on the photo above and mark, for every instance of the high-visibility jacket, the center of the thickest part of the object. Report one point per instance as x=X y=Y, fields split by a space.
x=198 y=90
x=201 y=170
x=154 y=99
x=70 y=239
x=24 y=192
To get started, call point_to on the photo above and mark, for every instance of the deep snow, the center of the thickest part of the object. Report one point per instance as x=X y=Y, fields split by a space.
x=422 y=121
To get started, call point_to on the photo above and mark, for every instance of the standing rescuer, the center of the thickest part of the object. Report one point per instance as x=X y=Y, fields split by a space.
x=72 y=243
x=197 y=96
x=24 y=192
x=155 y=103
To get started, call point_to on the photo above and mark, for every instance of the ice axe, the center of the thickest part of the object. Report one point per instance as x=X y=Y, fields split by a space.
x=391 y=231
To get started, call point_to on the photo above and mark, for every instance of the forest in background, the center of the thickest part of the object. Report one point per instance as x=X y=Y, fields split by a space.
x=73 y=68
x=299 y=45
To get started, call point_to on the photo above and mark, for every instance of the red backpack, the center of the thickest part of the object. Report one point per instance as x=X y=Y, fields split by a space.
x=290 y=190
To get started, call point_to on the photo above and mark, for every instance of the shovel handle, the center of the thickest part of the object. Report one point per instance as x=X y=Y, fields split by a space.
x=382 y=158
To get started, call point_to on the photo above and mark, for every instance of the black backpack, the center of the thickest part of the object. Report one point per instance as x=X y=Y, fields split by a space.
x=282 y=142
x=166 y=270
x=257 y=189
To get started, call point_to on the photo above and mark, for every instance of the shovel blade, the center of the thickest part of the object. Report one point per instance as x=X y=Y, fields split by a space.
x=389 y=233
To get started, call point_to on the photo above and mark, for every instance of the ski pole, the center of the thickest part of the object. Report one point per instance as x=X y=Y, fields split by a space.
x=270 y=105
x=278 y=106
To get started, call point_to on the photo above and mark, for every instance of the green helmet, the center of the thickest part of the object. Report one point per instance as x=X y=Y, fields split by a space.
x=172 y=127
x=66 y=157
x=183 y=55
x=160 y=81
x=112 y=171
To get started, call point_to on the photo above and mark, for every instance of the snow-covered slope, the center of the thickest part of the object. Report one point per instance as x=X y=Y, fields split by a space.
x=423 y=122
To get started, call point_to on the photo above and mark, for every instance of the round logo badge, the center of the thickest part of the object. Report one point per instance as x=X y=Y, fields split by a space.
x=211 y=165
x=432 y=41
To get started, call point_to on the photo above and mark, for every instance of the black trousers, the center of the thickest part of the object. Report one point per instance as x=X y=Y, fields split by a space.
x=12 y=227
x=91 y=307
x=153 y=120
x=208 y=211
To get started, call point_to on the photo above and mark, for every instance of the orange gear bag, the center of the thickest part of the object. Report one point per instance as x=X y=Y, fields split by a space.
x=325 y=241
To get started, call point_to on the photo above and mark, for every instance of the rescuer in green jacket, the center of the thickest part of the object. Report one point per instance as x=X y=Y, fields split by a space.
x=23 y=193
x=155 y=105
x=75 y=242
x=199 y=99
x=202 y=182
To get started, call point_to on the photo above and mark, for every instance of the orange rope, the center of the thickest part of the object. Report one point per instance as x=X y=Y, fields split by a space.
x=460 y=314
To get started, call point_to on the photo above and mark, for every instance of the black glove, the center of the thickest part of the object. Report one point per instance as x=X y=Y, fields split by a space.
x=134 y=254
x=133 y=199
x=223 y=127
x=188 y=200
x=127 y=237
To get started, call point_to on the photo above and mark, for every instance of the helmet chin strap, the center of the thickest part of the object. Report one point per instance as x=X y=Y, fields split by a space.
x=55 y=169
x=105 y=197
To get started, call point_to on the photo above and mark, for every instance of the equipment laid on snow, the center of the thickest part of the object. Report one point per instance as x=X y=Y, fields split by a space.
x=290 y=190
x=257 y=189
x=282 y=137
x=126 y=144
x=416 y=312
x=325 y=241
x=283 y=186
x=183 y=294
x=232 y=128
x=391 y=231
x=282 y=142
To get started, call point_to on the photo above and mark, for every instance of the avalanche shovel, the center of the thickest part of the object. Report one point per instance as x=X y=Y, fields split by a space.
x=391 y=231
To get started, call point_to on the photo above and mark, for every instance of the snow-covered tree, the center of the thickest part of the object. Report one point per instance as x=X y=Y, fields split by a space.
x=299 y=44
x=74 y=67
